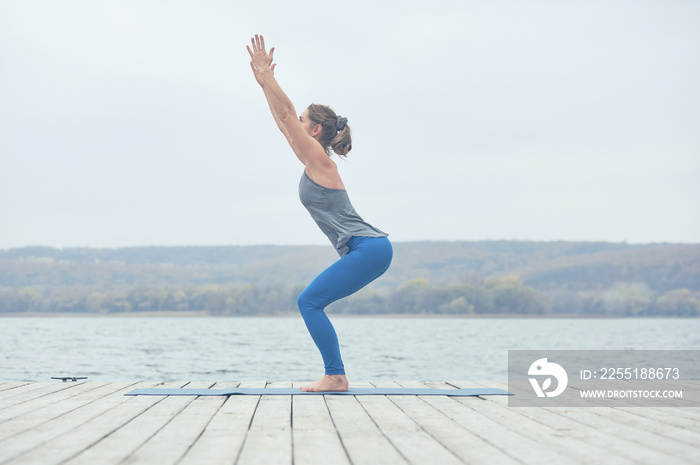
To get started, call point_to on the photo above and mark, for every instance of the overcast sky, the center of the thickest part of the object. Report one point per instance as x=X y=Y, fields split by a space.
x=126 y=123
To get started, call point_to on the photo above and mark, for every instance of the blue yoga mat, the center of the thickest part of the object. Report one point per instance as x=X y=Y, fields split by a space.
x=297 y=392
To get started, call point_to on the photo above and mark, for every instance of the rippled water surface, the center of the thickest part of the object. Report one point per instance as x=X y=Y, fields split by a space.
x=280 y=349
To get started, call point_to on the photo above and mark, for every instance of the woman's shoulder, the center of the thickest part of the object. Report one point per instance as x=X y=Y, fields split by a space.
x=326 y=175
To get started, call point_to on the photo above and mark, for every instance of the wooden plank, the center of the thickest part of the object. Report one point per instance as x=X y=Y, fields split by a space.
x=553 y=431
x=314 y=436
x=20 y=395
x=76 y=440
x=35 y=405
x=406 y=435
x=671 y=423
x=675 y=417
x=44 y=432
x=618 y=433
x=222 y=439
x=125 y=442
x=685 y=416
x=95 y=423
x=564 y=418
x=360 y=384
x=466 y=411
x=678 y=423
x=469 y=447
x=632 y=436
x=23 y=388
x=31 y=418
x=172 y=441
x=269 y=440
x=363 y=440
x=6 y=386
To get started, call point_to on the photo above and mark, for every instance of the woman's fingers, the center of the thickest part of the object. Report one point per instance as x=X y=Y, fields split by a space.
x=255 y=42
x=258 y=43
x=257 y=52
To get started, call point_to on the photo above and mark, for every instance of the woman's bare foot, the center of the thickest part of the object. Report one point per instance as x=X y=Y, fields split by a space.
x=328 y=383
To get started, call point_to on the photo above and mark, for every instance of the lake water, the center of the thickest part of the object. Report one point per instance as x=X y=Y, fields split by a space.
x=280 y=349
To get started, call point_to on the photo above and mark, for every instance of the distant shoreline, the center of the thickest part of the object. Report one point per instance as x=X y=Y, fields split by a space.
x=202 y=314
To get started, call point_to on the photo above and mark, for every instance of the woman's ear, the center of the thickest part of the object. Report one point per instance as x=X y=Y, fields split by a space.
x=316 y=130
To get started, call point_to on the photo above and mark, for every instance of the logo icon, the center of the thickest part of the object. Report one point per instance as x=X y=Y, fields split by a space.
x=543 y=367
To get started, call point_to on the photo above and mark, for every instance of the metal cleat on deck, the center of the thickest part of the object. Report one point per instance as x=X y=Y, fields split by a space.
x=68 y=378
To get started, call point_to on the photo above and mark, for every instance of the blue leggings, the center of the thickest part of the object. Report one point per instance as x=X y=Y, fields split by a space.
x=368 y=259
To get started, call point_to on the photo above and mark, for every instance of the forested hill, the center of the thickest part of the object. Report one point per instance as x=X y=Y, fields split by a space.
x=482 y=277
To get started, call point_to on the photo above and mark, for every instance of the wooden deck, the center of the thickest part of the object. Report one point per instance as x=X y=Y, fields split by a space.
x=94 y=423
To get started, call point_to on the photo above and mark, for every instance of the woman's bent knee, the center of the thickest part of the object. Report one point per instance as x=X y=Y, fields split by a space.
x=305 y=303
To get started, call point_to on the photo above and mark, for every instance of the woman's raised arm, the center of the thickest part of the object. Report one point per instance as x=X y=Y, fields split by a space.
x=306 y=148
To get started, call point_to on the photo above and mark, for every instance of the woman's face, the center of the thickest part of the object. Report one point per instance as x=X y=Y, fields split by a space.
x=307 y=124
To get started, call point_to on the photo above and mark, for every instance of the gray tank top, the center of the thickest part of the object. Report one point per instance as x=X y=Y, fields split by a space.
x=334 y=214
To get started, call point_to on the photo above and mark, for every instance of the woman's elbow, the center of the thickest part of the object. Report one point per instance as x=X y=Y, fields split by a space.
x=285 y=115
x=286 y=112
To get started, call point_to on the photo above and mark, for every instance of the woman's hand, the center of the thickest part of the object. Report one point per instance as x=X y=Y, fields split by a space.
x=260 y=60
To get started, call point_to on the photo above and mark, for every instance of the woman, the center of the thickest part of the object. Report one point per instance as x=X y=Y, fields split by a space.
x=365 y=252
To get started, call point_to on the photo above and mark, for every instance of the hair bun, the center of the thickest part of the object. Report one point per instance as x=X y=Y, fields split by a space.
x=340 y=122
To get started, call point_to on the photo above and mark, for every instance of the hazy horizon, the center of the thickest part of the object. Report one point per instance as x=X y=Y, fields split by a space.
x=320 y=244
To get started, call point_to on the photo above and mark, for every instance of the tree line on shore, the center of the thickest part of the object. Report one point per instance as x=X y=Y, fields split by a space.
x=504 y=295
x=480 y=278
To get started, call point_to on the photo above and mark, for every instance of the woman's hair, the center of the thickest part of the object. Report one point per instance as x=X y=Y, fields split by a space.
x=331 y=138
